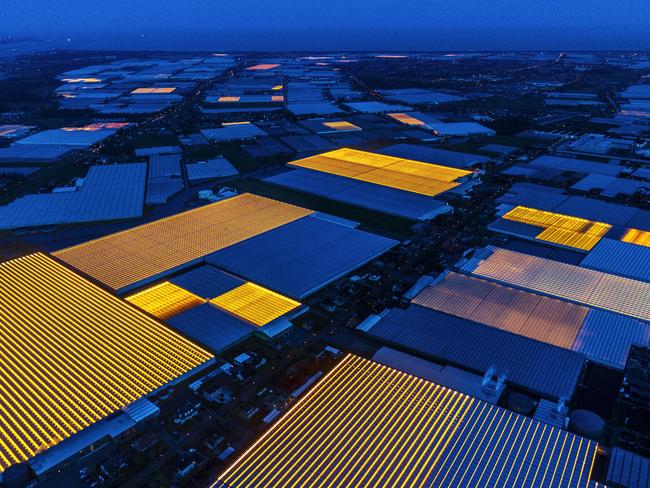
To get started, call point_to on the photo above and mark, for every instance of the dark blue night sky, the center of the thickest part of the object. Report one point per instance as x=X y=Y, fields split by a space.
x=337 y=24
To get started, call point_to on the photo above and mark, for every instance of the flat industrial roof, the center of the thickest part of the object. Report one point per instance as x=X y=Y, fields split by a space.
x=575 y=283
x=420 y=95
x=435 y=155
x=576 y=165
x=329 y=126
x=262 y=67
x=128 y=257
x=162 y=188
x=34 y=153
x=255 y=304
x=154 y=90
x=341 y=126
x=247 y=301
x=403 y=174
x=233 y=132
x=206 y=281
x=164 y=300
x=555 y=228
x=156 y=151
x=536 y=316
x=307 y=107
x=164 y=165
x=108 y=192
x=383 y=199
x=72 y=354
x=620 y=258
x=638 y=237
x=213 y=327
x=377 y=107
x=628 y=469
x=412 y=118
x=601 y=335
x=78 y=137
x=307 y=143
x=460 y=129
x=218 y=167
x=368 y=424
x=544 y=369
x=303 y=256
x=554 y=200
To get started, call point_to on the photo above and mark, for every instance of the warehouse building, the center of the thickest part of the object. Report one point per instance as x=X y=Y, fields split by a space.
x=113 y=428
x=266 y=148
x=34 y=154
x=218 y=167
x=376 y=107
x=123 y=260
x=597 y=145
x=102 y=355
x=329 y=126
x=288 y=249
x=628 y=469
x=302 y=256
x=244 y=101
x=50 y=146
x=391 y=185
x=164 y=179
x=215 y=308
x=111 y=192
x=601 y=335
x=574 y=283
x=499 y=149
x=302 y=108
x=435 y=155
x=461 y=129
x=441 y=128
x=145 y=152
x=611 y=186
x=405 y=431
x=575 y=165
x=550 y=227
x=76 y=137
x=540 y=368
x=366 y=195
x=420 y=96
x=620 y=257
x=235 y=131
x=414 y=119
x=552 y=199
x=304 y=144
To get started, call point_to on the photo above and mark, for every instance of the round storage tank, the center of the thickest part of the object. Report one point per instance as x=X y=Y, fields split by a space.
x=520 y=403
x=586 y=423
